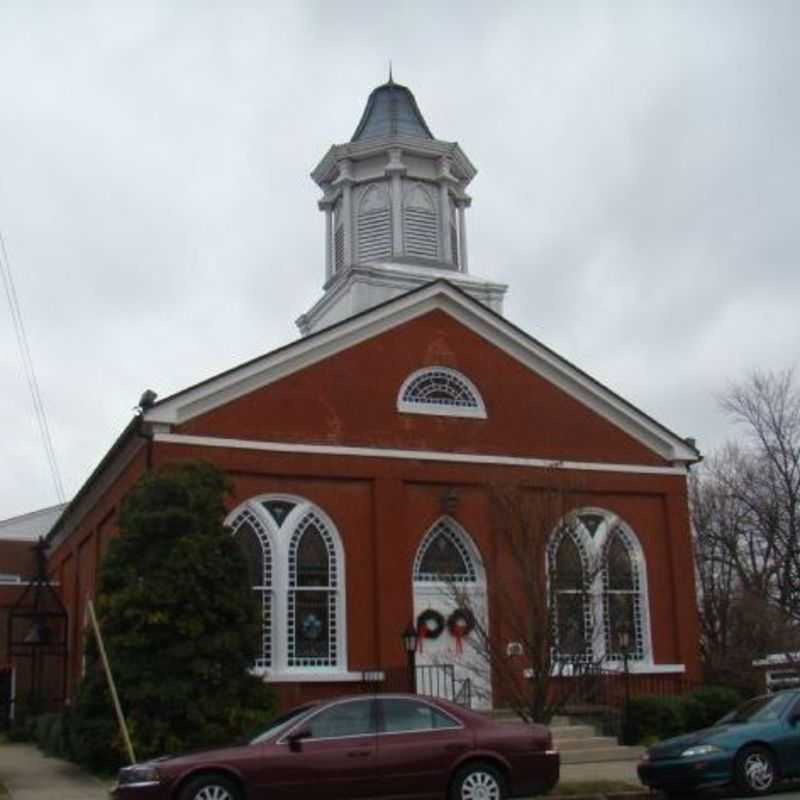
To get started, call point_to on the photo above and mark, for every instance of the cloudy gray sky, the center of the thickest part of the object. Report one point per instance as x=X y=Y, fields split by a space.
x=637 y=189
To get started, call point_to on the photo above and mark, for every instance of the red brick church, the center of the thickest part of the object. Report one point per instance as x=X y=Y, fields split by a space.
x=407 y=386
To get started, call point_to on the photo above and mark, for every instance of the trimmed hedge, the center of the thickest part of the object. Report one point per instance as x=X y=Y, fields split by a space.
x=659 y=717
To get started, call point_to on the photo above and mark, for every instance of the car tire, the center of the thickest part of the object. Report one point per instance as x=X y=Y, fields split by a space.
x=478 y=781
x=210 y=787
x=756 y=770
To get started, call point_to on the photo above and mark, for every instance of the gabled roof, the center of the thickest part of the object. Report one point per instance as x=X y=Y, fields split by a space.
x=441 y=295
x=30 y=526
x=391 y=110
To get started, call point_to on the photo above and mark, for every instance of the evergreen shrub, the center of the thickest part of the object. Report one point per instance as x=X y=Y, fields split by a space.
x=711 y=703
x=661 y=717
x=654 y=717
x=180 y=623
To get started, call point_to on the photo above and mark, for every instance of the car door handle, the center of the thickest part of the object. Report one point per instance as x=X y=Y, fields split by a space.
x=359 y=753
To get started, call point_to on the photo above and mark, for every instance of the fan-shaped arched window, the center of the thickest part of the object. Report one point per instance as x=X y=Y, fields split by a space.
x=444 y=555
x=296 y=566
x=374 y=224
x=440 y=390
x=420 y=225
x=598 y=588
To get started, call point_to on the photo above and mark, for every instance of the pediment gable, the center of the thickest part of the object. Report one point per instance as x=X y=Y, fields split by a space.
x=578 y=389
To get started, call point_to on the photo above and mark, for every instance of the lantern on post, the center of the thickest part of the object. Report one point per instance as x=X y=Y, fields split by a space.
x=410 y=639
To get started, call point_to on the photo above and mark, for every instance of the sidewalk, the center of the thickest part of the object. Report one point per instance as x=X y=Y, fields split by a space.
x=28 y=775
x=602 y=771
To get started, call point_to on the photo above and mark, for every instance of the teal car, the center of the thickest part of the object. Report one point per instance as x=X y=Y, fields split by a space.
x=750 y=749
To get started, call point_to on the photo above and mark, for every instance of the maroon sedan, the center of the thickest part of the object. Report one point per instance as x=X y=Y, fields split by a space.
x=376 y=746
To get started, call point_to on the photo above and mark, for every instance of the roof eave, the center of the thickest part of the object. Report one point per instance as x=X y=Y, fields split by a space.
x=326 y=170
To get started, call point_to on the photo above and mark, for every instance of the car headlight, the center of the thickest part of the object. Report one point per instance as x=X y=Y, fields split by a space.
x=701 y=750
x=139 y=774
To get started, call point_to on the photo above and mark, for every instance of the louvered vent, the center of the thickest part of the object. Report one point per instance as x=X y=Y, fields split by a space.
x=420 y=231
x=374 y=225
x=338 y=247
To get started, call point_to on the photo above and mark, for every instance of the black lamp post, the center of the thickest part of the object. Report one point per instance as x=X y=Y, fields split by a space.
x=624 y=642
x=410 y=646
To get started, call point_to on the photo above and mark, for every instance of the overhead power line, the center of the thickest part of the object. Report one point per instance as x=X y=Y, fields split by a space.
x=30 y=374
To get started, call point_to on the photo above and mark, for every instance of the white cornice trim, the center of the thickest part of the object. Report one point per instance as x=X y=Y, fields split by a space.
x=441 y=296
x=410 y=455
x=413 y=145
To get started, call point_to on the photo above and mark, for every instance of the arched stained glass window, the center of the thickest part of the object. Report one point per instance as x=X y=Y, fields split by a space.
x=444 y=556
x=312 y=559
x=296 y=567
x=440 y=390
x=622 y=599
x=312 y=600
x=571 y=607
x=598 y=588
x=251 y=535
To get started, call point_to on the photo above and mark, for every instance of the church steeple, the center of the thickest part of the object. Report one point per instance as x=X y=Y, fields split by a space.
x=394 y=199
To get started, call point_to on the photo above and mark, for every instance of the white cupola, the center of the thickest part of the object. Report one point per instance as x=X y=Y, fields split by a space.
x=394 y=200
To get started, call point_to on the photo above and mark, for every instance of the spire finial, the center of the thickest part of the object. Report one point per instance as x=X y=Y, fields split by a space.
x=390 y=71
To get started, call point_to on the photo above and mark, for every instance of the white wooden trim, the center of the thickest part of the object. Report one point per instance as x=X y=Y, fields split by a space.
x=634 y=668
x=412 y=455
x=316 y=676
x=280 y=537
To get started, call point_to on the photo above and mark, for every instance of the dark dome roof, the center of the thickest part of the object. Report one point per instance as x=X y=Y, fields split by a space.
x=391 y=110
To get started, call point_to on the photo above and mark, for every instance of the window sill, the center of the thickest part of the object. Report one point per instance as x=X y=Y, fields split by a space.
x=319 y=676
x=634 y=668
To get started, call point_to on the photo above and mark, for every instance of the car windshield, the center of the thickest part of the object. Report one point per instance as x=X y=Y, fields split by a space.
x=281 y=722
x=759 y=709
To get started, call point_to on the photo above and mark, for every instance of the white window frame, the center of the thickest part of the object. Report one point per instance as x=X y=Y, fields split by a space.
x=280 y=540
x=441 y=409
x=596 y=548
x=463 y=543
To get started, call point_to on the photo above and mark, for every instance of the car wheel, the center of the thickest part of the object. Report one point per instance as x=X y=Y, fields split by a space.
x=210 y=787
x=478 y=781
x=756 y=772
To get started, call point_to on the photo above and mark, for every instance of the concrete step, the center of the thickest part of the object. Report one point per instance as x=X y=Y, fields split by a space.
x=599 y=755
x=572 y=731
x=507 y=715
x=590 y=743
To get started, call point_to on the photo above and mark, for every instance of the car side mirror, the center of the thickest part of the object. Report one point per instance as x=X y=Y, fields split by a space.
x=295 y=739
